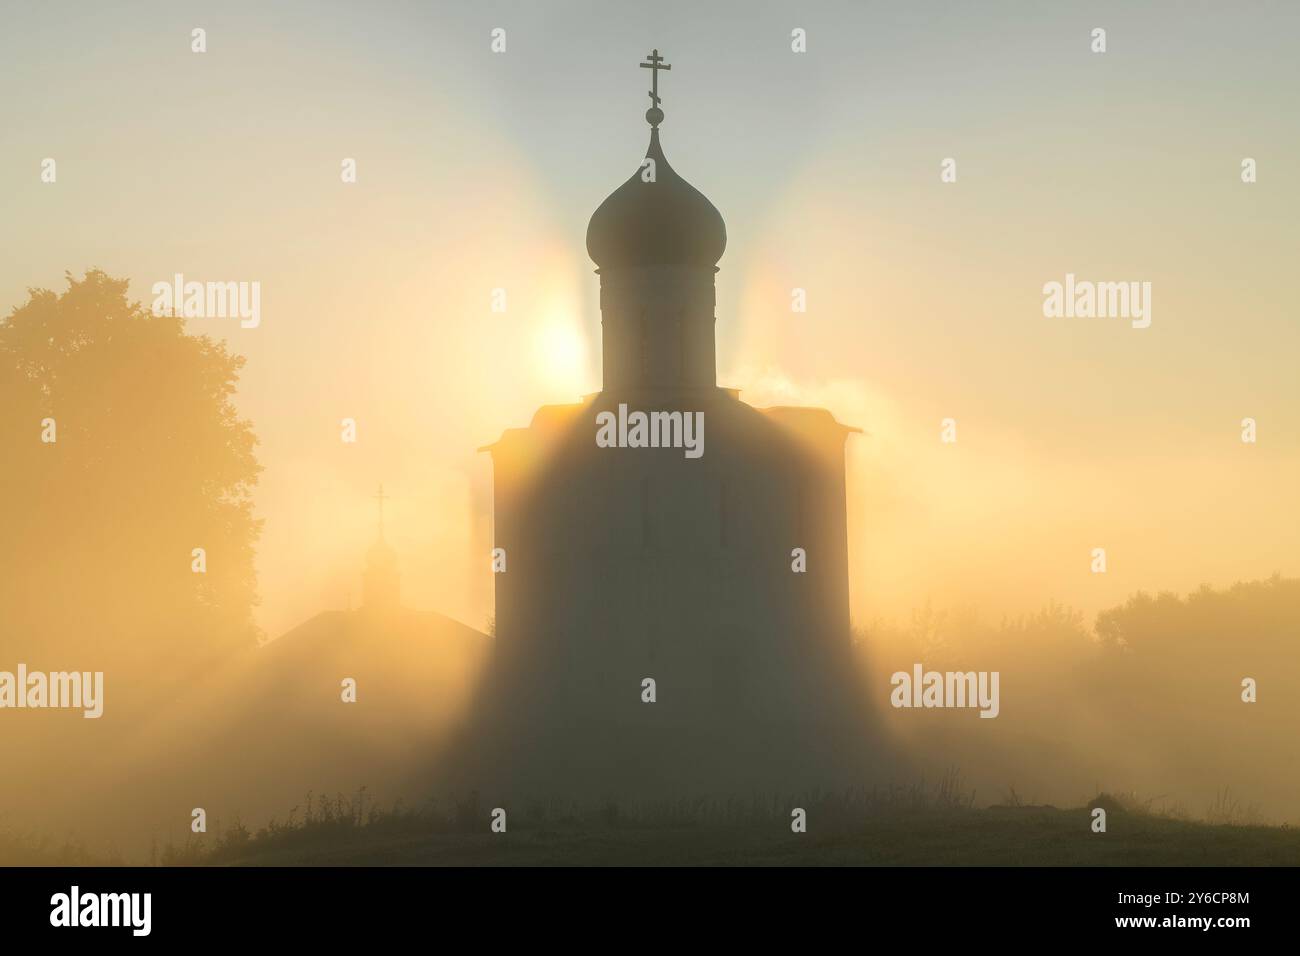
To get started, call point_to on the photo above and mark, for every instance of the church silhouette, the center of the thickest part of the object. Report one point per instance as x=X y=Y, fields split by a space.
x=663 y=614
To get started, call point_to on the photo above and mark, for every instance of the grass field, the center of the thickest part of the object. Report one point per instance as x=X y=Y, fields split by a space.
x=935 y=824
x=996 y=836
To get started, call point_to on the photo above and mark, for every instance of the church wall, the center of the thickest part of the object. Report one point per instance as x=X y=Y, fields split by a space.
x=658 y=566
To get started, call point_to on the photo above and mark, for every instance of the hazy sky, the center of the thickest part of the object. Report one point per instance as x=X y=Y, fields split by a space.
x=479 y=170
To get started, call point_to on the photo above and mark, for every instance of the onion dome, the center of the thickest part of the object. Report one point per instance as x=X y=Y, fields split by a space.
x=656 y=217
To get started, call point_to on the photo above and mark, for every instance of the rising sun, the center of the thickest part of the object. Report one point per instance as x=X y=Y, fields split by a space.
x=562 y=352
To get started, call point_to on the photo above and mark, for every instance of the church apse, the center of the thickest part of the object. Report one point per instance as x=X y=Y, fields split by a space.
x=701 y=546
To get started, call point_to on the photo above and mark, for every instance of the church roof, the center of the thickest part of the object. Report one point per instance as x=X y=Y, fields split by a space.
x=331 y=631
x=807 y=417
x=547 y=421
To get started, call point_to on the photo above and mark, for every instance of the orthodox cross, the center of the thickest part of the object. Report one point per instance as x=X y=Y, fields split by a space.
x=654 y=66
x=381 y=498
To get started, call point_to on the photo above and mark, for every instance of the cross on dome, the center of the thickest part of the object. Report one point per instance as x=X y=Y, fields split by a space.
x=654 y=116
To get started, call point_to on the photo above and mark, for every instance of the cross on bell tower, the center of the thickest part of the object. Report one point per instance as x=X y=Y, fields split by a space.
x=380 y=580
x=654 y=116
x=381 y=498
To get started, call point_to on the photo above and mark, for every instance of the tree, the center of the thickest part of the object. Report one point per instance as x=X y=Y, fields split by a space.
x=149 y=461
